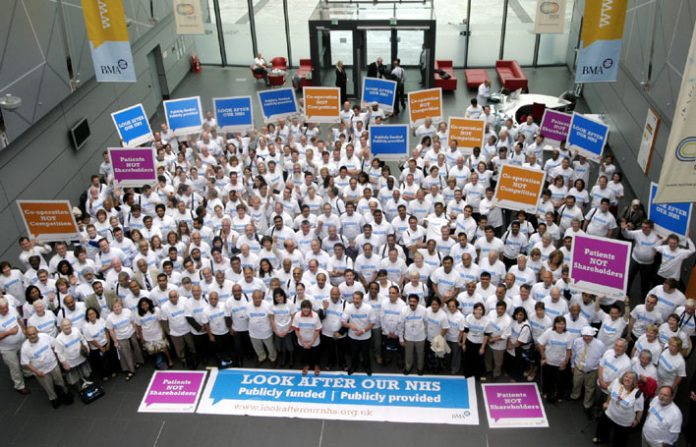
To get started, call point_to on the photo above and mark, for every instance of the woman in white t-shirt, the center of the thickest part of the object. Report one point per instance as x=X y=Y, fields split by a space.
x=671 y=367
x=669 y=329
x=579 y=191
x=623 y=411
x=102 y=355
x=476 y=334
x=307 y=326
x=519 y=345
x=122 y=332
x=554 y=346
x=282 y=332
x=149 y=330
x=650 y=342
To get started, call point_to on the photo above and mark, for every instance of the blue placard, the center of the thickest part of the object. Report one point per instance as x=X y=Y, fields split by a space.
x=278 y=104
x=669 y=217
x=586 y=136
x=132 y=125
x=389 y=141
x=184 y=116
x=381 y=91
x=234 y=114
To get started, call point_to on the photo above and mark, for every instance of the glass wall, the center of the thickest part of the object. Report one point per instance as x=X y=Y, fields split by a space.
x=234 y=15
x=519 y=31
x=270 y=29
x=378 y=45
x=450 y=43
x=409 y=46
x=298 y=15
x=486 y=22
x=208 y=45
x=553 y=47
x=342 y=47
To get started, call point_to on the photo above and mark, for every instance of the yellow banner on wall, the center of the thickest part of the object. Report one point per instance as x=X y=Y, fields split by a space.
x=107 y=31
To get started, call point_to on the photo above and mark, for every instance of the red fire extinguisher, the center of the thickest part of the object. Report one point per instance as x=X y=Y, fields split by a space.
x=195 y=63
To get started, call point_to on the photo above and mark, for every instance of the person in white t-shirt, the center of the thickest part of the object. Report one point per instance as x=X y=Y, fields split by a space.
x=623 y=410
x=260 y=317
x=37 y=357
x=671 y=366
x=307 y=327
x=359 y=318
x=412 y=334
x=664 y=421
x=555 y=347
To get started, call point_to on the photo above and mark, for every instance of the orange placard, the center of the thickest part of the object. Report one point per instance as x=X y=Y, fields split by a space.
x=322 y=104
x=49 y=220
x=424 y=104
x=469 y=133
x=519 y=188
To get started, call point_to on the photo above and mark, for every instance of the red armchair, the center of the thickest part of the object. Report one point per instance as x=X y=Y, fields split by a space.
x=511 y=75
x=279 y=63
x=449 y=84
x=303 y=75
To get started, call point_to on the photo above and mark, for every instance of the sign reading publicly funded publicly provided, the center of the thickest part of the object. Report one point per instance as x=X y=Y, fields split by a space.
x=514 y=405
x=381 y=91
x=322 y=104
x=424 y=104
x=49 y=220
x=277 y=104
x=132 y=125
x=469 y=134
x=669 y=217
x=519 y=188
x=173 y=392
x=133 y=167
x=554 y=126
x=587 y=136
x=389 y=141
x=337 y=396
x=184 y=116
x=600 y=265
x=678 y=175
x=107 y=31
x=234 y=114
x=600 y=41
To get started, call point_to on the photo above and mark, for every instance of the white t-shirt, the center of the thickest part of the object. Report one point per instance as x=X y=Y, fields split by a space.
x=435 y=322
x=95 y=332
x=361 y=317
x=413 y=324
x=669 y=367
x=307 y=326
x=259 y=321
x=40 y=354
x=623 y=405
x=150 y=325
x=7 y=323
x=556 y=346
x=121 y=324
x=663 y=423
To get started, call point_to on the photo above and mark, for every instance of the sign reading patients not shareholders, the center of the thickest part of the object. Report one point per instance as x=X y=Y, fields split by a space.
x=278 y=104
x=669 y=217
x=389 y=141
x=132 y=125
x=336 y=396
x=381 y=91
x=554 y=126
x=133 y=166
x=322 y=104
x=234 y=114
x=587 y=137
x=469 y=134
x=424 y=104
x=514 y=405
x=184 y=116
x=519 y=188
x=49 y=220
x=173 y=392
x=600 y=266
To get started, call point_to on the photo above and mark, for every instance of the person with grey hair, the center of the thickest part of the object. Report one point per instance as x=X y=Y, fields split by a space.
x=623 y=410
x=11 y=339
x=37 y=357
x=72 y=351
x=664 y=421
x=586 y=354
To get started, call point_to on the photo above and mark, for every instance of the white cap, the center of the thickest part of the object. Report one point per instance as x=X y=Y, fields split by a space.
x=588 y=331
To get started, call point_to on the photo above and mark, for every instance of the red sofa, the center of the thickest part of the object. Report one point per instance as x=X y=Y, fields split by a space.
x=475 y=77
x=445 y=84
x=511 y=75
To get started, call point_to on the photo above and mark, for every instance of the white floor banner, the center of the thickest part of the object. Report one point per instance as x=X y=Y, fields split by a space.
x=338 y=396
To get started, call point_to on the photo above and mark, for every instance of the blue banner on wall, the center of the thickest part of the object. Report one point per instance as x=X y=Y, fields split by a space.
x=381 y=91
x=380 y=397
x=587 y=136
x=278 y=104
x=389 y=140
x=132 y=125
x=669 y=217
x=184 y=116
x=234 y=114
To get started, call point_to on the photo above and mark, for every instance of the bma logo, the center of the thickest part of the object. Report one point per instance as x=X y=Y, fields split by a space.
x=119 y=68
x=598 y=69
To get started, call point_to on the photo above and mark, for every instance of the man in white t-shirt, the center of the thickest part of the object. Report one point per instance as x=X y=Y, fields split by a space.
x=11 y=339
x=261 y=323
x=37 y=356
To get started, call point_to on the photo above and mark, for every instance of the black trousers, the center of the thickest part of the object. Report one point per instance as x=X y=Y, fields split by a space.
x=223 y=346
x=242 y=347
x=473 y=362
x=309 y=357
x=103 y=363
x=606 y=428
x=358 y=348
x=334 y=350
x=203 y=348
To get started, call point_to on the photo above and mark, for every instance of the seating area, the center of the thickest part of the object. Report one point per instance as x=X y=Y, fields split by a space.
x=475 y=77
x=303 y=75
x=449 y=84
x=511 y=75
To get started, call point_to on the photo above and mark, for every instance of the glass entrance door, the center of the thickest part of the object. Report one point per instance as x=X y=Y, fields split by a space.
x=409 y=46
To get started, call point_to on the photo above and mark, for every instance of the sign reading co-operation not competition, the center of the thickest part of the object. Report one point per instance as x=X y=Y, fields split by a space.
x=173 y=392
x=132 y=125
x=234 y=114
x=600 y=265
x=669 y=217
x=381 y=91
x=337 y=396
x=389 y=141
x=278 y=104
x=184 y=116
x=587 y=137
x=133 y=167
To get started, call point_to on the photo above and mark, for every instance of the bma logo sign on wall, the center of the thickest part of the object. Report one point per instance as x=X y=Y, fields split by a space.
x=600 y=41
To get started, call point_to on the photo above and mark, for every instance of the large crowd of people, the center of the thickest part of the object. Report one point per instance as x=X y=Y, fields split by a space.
x=290 y=245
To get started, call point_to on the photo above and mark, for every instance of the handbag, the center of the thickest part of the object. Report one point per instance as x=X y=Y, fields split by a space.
x=91 y=392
